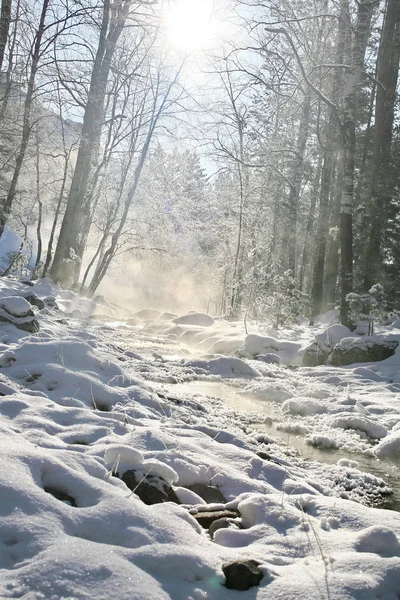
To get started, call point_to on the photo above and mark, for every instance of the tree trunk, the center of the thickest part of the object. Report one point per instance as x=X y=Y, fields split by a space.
x=68 y=254
x=5 y=19
x=296 y=180
x=380 y=190
x=26 y=125
x=309 y=229
x=330 y=296
x=109 y=254
x=40 y=212
x=353 y=80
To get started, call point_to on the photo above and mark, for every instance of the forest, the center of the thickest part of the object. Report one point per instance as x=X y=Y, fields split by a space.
x=253 y=144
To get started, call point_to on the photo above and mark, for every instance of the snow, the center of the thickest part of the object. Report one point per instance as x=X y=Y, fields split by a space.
x=83 y=399
x=331 y=336
x=15 y=305
x=194 y=318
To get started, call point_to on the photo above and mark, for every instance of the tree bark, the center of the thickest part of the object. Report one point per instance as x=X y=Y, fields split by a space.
x=69 y=251
x=353 y=80
x=296 y=180
x=380 y=190
x=7 y=202
x=5 y=19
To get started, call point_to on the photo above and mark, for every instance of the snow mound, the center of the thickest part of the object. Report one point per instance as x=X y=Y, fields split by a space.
x=255 y=345
x=116 y=455
x=304 y=406
x=195 y=318
x=360 y=423
x=331 y=336
x=379 y=540
x=226 y=366
x=389 y=447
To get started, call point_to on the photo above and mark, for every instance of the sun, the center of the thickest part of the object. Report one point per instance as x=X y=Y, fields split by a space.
x=191 y=24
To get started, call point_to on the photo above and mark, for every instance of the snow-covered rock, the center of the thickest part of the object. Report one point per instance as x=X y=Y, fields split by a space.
x=352 y=350
x=195 y=318
x=16 y=306
x=256 y=345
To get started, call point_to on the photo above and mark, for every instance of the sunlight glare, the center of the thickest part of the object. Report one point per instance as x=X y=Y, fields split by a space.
x=191 y=24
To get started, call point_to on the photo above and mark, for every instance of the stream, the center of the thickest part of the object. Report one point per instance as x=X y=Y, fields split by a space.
x=243 y=402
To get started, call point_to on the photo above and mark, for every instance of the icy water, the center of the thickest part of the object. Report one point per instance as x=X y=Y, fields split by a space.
x=246 y=403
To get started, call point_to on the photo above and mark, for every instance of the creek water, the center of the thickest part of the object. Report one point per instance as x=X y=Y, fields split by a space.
x=242 y=402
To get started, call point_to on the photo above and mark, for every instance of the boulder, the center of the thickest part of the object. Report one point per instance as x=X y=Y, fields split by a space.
x=151 y=489
x=35 y=301
x=206 y=518
x=224 y=523
x=147 y=314
x=360 y=350
x=270 y=358
x=168 y=316
x=241 y=575
x=318 y=351
x=18 y=312
x=209 y=493
x=314 y=356
x=195 y=318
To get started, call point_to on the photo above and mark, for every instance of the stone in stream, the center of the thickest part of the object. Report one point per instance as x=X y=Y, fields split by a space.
x=241 y=575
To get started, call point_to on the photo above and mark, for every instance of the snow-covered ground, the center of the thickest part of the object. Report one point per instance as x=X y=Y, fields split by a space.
x=97 y=391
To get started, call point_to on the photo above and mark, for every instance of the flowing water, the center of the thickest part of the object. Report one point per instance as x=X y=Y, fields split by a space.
x=243 y=402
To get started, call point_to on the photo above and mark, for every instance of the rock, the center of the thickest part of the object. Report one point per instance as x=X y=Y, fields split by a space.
x=314 y=356
x=194 y=318
x=50 y=302
x=35 y=301
x=269 y=358
x=224 y=523
x=318 y=351
x=152 y=489
x=206 y=518
x=16 y=306
x=18 y=312
x=168 y=316
x=27 y=282
x=147 y=314
x=241 y=575
x=263 y=455
x=359 y=350
x=209 y=493
x=60 y=495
